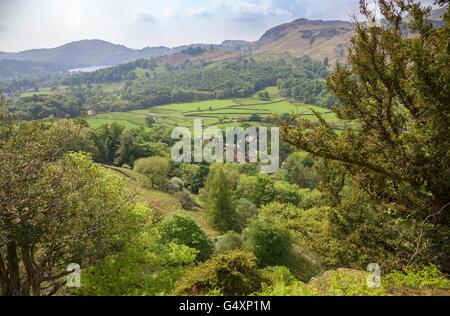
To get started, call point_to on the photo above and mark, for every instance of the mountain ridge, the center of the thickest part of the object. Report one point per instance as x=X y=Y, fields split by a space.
x=318 y=39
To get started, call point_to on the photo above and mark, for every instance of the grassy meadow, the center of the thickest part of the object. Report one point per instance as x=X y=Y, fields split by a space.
x=221 y=113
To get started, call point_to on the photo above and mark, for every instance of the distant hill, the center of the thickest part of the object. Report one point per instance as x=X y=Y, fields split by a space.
x=13 y=68
x=86 y=53
x=318 y=39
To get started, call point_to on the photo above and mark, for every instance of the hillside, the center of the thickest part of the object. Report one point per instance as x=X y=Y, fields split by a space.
x=315 y=38
x=86 y=53
x=318 y=39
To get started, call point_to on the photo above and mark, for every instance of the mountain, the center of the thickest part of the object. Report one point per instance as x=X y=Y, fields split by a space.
x=14 y=68
x=86 y=53
x=318 y=39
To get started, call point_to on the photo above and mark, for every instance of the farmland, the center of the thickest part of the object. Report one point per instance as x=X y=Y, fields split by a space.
x=221 y=113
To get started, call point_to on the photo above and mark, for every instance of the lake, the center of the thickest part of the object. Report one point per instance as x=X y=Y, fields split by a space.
x=88 y=69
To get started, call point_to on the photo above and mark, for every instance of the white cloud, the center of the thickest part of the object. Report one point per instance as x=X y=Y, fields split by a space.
x=203 y=12
x=143 y=17
x=251 y=10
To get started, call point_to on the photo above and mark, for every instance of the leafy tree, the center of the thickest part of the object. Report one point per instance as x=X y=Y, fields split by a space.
x=230 y=241
x=257 y=189
x=156 y=169
x=271 y=244
x=184 y=231
x=300 y=168
x=396 y=93
x=139 y=142
x=221 y=211
x=147 y=266
x=286 y=192
x=232 y=274
x=55 y=208
x=264 y=95
x=193 y=175
x=106 y=139
x=245 y=211
x=42 y=106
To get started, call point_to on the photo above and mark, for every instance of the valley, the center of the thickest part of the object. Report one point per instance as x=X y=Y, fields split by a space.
x=97 y=198
x=249 y=111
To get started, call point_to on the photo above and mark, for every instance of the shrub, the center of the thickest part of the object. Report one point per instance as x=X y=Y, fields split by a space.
x=418 y=278
x=283 y=283
x=234 y=273
x=230 y=241
x=184 y=231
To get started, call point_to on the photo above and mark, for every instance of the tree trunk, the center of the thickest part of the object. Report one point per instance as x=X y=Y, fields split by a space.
x=13 y=288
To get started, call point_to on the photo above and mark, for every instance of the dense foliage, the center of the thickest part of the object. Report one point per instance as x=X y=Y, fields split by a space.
x=396 y=93
x=184 y=231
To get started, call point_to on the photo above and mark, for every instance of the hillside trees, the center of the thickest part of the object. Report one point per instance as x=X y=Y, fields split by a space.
x=42 y=106
x=55 y=208
x=271 y=244
x=184 y=231
x=156 y=169
x=396 y=92
x=221 y=212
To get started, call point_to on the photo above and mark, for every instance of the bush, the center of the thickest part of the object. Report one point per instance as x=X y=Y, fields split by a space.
x=234 y=273
x=286 y=192
x=344 y=282
x=184 y=231
x=271 y=244
x=417 y=278
x=283 y=283
x=230 y=241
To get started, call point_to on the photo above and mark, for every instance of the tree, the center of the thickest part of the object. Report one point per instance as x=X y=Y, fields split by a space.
x=147 y=266
x=245 y=211
x=193 y=175
x=221 y=211
x=272 y=245
x=264 y=96
x=155 y=169
x=55 y=208
x=184 y=231
x=137 y=143
x=150 y=121
x=397 y=94
x=300 y=167
x=106 y=139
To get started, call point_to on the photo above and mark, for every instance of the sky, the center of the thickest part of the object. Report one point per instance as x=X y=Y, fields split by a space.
x=26 y=24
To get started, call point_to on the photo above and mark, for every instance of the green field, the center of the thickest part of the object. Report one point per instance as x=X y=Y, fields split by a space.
x=221 y=113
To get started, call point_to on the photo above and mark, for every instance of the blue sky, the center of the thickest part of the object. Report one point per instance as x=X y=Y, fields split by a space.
x=26 y=24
